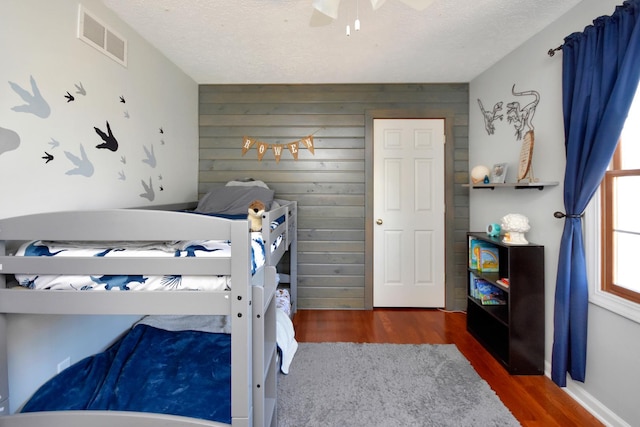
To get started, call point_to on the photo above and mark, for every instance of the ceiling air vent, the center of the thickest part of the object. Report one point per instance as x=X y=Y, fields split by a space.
x=93 y=32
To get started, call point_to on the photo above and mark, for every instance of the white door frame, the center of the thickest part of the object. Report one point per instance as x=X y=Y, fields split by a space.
x=409 y=232
x=448 y=117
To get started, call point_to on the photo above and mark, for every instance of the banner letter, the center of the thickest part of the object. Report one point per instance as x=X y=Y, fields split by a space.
x=277 y=151
x=246 y=144
x=308 y=142
x=293 y=149
x=262 y=148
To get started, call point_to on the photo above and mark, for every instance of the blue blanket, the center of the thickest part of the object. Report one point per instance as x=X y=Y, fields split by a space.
x=184 y=373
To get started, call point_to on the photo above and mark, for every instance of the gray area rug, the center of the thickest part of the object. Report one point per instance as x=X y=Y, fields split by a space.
x=349 y=384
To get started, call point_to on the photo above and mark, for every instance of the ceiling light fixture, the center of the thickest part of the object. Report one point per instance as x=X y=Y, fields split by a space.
x=330 y=7
x=356 y=24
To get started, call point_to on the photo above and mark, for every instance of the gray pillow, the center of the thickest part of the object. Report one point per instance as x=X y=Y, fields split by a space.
x=234 y=200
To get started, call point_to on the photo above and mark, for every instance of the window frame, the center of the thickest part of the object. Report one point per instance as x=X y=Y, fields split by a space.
x=607 y=243
x=592 y=228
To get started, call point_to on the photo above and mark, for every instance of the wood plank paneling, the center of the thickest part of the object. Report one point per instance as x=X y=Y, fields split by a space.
x=330 y=186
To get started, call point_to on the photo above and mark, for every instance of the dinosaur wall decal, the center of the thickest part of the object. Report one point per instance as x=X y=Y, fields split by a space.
x=522 y=117
x=34 y=102
x=110 y=142
x=490 y=116
x=84 y=167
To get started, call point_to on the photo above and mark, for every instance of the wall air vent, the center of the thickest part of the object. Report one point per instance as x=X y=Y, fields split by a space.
x=95 y=33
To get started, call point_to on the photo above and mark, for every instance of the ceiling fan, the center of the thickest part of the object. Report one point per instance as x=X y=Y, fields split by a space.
x=330 y=7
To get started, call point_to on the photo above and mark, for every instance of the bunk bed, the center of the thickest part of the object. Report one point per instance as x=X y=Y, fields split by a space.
x=248 y=302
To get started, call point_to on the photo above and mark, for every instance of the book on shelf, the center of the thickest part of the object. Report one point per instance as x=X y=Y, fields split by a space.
x=473 y=256
x=489 y=261
x=483 y=256
x=486 y=292
x=504 y=281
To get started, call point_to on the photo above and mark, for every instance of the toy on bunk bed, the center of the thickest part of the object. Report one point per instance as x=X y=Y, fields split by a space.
x=255 y=212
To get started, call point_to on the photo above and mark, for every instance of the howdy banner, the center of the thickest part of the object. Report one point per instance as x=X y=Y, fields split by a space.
x=263 y=147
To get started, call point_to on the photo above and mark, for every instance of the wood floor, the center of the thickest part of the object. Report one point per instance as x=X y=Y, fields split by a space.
x=533 y=400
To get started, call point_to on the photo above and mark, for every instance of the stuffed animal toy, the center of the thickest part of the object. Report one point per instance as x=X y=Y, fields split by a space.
x=256 y=209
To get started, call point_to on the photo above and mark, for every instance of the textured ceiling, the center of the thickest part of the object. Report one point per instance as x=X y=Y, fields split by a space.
x=286 y=41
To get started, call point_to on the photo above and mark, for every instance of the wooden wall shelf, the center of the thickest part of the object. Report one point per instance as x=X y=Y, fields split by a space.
x=517 y=185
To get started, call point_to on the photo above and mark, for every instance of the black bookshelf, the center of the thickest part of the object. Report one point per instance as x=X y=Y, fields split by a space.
x=513 y=332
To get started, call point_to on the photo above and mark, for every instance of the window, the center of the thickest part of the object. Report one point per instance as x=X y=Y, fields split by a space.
x=620 y=213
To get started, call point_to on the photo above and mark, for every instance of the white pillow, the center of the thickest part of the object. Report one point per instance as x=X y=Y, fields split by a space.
x=248 y=182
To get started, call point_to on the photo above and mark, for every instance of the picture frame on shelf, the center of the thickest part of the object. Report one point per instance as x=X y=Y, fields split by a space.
x=499 y=173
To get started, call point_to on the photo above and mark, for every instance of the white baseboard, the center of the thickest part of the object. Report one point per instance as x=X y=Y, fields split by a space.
x=588 y=402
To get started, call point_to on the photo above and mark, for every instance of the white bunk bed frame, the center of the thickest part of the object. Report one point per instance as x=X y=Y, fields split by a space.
x=249 y=303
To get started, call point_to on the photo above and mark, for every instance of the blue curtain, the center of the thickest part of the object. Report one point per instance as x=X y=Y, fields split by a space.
x=601 y=69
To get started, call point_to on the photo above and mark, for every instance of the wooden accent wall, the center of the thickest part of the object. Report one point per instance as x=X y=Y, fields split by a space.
x=331 y=186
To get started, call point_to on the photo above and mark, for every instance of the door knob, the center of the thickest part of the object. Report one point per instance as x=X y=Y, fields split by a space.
x=379 y=222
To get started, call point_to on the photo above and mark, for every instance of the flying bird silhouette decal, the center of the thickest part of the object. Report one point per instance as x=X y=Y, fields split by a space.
x=34 y=103
x=110 y=142
x=83 y=165
x=122 y=100
x=48 y=157
x=69 y=97
x=122 y=176
x=53 y=143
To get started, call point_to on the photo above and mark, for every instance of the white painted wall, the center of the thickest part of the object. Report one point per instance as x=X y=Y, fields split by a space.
x=613 y=373
x=39 y=40
x=43 y=44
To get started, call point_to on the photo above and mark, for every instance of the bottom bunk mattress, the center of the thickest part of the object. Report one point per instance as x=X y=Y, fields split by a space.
x=149 y=369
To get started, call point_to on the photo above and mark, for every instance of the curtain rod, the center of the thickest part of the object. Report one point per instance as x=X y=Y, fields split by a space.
x=552 y=52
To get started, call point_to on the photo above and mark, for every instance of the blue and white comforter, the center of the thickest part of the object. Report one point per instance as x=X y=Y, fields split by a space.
x=193 y=248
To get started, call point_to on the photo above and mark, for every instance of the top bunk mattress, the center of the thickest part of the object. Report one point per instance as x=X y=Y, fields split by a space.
x=139 y=282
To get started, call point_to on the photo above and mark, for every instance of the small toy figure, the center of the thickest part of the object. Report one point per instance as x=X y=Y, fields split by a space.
x=256 y=209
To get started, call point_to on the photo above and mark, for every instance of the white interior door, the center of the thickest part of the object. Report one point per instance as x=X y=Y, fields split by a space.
x=408 y=208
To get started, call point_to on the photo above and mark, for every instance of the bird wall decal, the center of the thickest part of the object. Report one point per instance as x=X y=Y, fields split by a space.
x=48 y=157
